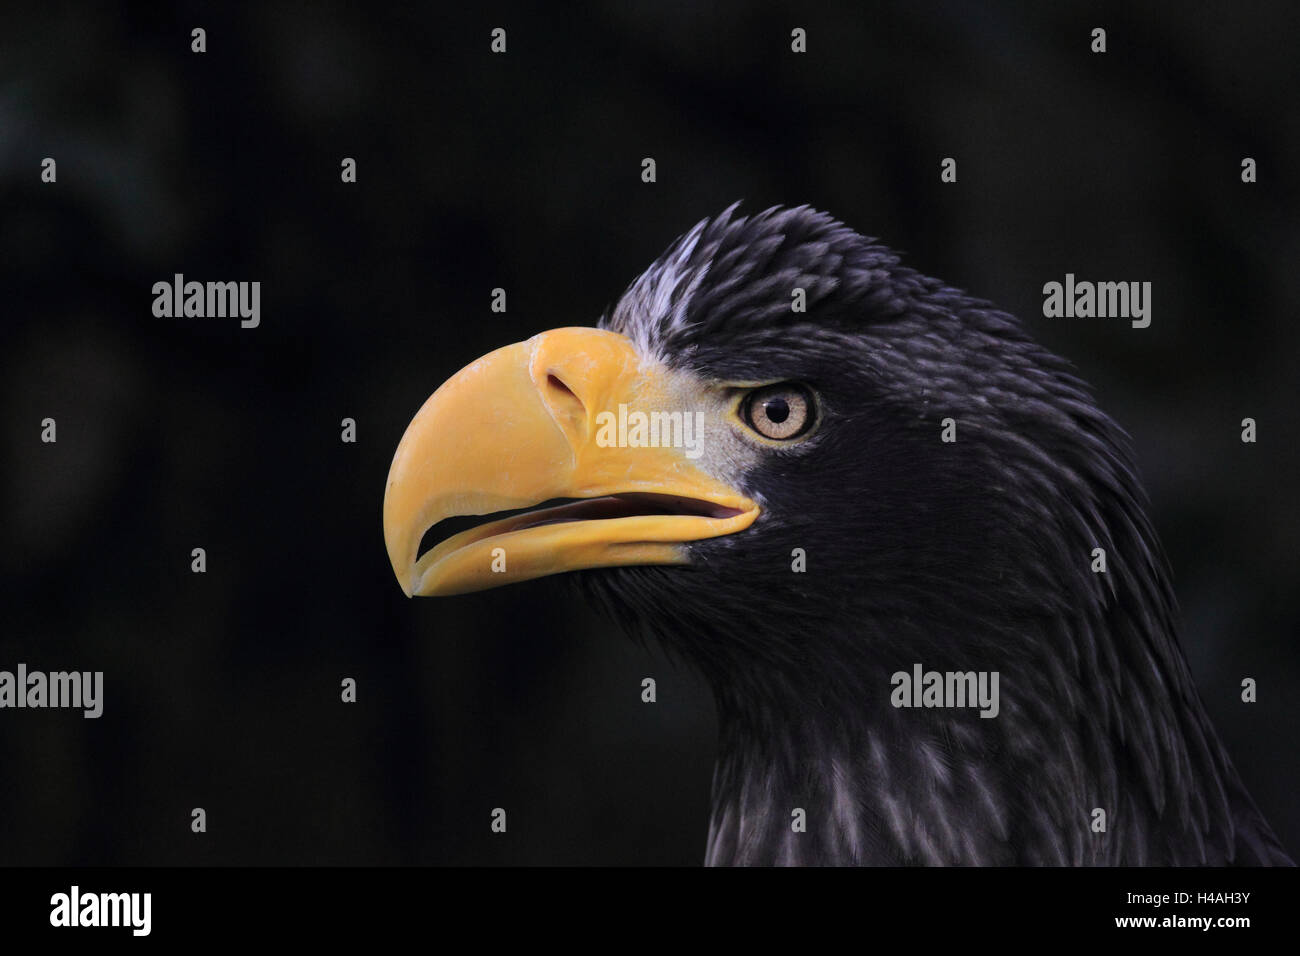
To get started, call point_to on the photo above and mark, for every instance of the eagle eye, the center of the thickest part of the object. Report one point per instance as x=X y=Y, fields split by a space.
x=779 y=412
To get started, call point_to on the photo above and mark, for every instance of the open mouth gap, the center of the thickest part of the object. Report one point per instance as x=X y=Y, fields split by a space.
x=626 y=505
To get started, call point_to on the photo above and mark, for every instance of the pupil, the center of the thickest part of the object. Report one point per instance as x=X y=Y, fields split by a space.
x=777 y=410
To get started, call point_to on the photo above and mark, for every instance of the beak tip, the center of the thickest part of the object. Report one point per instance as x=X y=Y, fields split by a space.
x=409 y=582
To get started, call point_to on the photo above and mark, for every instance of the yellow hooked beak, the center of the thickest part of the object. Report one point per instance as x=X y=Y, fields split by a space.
x=524 y=425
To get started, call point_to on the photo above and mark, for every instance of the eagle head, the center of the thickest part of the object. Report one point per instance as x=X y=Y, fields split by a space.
x=808 y=469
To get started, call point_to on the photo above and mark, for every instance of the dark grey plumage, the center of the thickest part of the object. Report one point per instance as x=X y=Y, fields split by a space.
x=966 y=556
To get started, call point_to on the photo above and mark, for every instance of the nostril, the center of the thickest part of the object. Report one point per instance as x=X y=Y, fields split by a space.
x=566 y=406
x=554 y=383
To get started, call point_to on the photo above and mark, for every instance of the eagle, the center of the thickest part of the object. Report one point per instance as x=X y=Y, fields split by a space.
x=814 y=472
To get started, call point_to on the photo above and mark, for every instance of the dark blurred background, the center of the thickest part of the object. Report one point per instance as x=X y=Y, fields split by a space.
x=523 y=171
